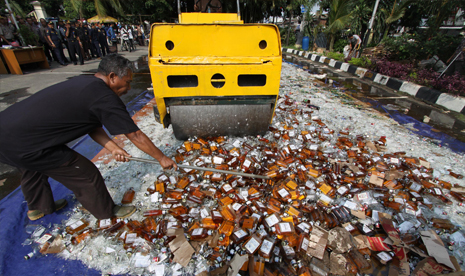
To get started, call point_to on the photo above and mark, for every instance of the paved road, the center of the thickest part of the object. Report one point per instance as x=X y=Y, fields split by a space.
x=14 y=88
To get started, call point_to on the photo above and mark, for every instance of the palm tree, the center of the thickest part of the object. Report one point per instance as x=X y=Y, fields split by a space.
x=397 y=12
x=339 y=18
x=101 y=6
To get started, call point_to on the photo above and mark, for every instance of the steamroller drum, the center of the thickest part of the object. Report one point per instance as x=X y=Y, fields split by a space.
x=214 y=120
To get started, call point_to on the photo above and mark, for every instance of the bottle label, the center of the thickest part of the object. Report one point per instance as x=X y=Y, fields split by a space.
x=285 y=227
x=252 y=245
x=415 y=194
x=394 y=160
x=172 y=224
x=272 y=220
x=236 y=206
x=362 y=196
x=163 y=178
x=384 y=256
x=204 y=213
x=283 y=193
x=154 y=197
x=349 y=227
x=266 y=247
x=44 y=239
x=304 y=227
x=216 y=175
x=438 y=191
x=197 y=232
x=260 y=205
x=227 y=188
x=399 y=200
x=216 y=214
x=342 y=190
x=240 y=234
x=218 y=160
x=105 y=223
x=257 y=216
x=304 y=246
x=366 y=229
x=313 y=147
x=76 y=224
x=415 y=186
x=247 y=163
x=151 y=187
x=288 y=250
x=131 y=237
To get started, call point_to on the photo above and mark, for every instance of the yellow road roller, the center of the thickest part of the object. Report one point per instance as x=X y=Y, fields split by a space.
x=214 y=75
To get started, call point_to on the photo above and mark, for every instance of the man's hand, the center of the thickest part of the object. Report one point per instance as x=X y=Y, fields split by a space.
x=120 y=155
x=168 y=163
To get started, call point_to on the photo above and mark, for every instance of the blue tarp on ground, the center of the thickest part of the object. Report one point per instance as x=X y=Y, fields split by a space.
x=13 y=221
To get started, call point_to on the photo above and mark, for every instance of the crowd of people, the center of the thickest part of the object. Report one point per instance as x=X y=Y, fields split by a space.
x=83 y=40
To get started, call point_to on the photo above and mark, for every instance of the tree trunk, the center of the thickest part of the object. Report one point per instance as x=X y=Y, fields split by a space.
x=288 y=29
x=386 y=32
x=331 y=43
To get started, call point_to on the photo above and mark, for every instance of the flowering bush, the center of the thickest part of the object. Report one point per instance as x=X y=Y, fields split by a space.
x=454 y=84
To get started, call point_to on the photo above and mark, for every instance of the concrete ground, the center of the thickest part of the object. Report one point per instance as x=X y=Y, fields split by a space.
x=14 y=88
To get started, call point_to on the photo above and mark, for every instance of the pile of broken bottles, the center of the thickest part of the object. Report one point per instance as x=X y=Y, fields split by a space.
x=335 y=203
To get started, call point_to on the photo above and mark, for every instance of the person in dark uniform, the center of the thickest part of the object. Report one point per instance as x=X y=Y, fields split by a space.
x=55 y=43
x=89 y=41
x=102 y=39
x=34 y=140
x=62 y=35
x=83 y=35
x=94 y=34
x=73 y=44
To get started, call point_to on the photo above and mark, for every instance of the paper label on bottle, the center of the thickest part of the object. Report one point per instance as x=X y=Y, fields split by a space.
x=293 y=147
x=237 y=143
x=416 y=171
x=376 y=159
x=384 y=256
x=349 y=227
x=283 y=193
x=291 y=134
x=266 y=247
x=394 y=160
x=362 y=196
x=163 y=178
x=218 y=160
x=351 y=205
x=399 y=200
x=151 y=187
x=415 y=186
x=325 y=199
x=325 y=188
x=410 y=211
x=240 y=234
x=204 y=213
x=260 y=204
x=438 y=191
x=154 y=197
x=105 y=223
x=216 y=214
x=272 y=220
x=415 y=194
x=200 y=163
x=342 y=190
x=308 y=136
x=244 y=193
x=76 y=224
x=304 y=227
x=252 y=245
x=44 y=239
x=227 y=188
x=197 y=231
x=131 y=237
x=173 y=179
x=236 y=206
x=288 y=250
x=172 y=224
x=247 y=163
x=304 y=246
x=166 y=206
x=313 y=147
x=310 y=185
x=285 y=227
x=257 y=216
x=366 y=229
x=216 y=175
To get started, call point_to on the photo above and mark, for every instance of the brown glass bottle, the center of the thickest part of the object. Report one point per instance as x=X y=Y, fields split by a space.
x=128 y=196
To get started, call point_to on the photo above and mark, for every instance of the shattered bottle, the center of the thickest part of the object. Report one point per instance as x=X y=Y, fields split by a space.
x=128 y=196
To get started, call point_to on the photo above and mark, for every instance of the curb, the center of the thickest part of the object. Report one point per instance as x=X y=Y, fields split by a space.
x=449 y=101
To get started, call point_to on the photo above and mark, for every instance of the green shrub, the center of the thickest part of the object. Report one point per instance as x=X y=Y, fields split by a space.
x=339 y=45
x=361 y=62
x=334 y=55
x=419 y=46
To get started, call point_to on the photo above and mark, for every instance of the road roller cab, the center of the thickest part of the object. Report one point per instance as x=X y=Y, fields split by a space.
x=214 y=75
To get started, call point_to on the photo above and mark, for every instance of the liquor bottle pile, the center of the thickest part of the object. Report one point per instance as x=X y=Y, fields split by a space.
x=336 y=203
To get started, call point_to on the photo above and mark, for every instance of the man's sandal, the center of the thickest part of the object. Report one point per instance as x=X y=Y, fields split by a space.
x=37 y=214
x=123 y=211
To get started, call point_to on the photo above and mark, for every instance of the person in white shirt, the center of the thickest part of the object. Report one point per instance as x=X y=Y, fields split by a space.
x=355 y=43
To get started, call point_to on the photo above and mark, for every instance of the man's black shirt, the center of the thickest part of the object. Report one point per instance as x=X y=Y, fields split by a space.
x=34 y=132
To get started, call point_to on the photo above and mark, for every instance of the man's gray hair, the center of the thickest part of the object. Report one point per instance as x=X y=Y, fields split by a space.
x=116 y=64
